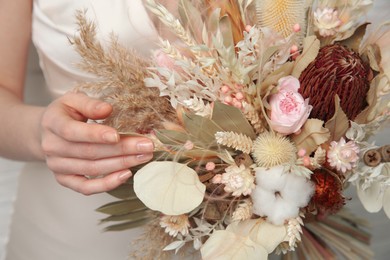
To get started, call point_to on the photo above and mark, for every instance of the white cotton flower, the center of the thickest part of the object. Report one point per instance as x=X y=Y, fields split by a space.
x=238 y=179
x=175 y=224
x=343 y=156
x=327 y=21
x=279 y=195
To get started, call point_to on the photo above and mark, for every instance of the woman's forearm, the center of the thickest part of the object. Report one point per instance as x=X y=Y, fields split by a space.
x=20 y=130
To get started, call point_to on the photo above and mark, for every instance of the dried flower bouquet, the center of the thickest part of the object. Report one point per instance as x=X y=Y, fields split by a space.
x=260 y=112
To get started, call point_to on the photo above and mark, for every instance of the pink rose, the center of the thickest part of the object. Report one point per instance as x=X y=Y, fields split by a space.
x=289 y=111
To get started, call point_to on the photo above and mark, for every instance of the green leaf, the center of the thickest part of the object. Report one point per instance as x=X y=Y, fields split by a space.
x=171 y=137
x=132 y=216
x=201 y=128
x=124 y=191
x=122 y=207
x=225 y=28
x=230 y=118
x=128 y=225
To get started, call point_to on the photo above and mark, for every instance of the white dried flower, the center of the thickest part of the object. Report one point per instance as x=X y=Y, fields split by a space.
x=327 y=21
x=238 y=179
x=175 y=224
x=243 y=211
x=343 y=156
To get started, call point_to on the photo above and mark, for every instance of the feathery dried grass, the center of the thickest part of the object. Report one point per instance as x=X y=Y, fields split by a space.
x=149 y=246
x=120 y=74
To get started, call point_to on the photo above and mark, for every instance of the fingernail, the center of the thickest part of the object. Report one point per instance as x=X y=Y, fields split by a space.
x=144 y=157
x=125 y=175
x=111 y=137
x=101 y=106
x=145 y=146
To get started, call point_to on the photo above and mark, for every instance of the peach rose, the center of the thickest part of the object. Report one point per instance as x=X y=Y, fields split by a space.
x=288 y=110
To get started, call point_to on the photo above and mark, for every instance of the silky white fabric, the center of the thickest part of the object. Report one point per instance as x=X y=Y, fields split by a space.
x=51 y=222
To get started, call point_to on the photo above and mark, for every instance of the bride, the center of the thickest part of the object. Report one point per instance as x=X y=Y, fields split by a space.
x=51 y=221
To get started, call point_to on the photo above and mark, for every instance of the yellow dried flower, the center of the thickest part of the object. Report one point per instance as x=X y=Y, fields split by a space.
x=270 y=150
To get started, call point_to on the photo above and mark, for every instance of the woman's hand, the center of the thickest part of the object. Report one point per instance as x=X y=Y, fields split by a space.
x=86 y=157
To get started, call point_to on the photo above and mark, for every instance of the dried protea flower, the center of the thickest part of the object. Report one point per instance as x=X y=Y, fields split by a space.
x=336 y=70
x=327 y=198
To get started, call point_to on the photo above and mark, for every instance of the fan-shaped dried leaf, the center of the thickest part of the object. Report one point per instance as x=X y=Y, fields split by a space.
x=311 y=47
x=311 y=136
x=261 y=232
x=339 y=123
x=169 y=187
x=225 y=245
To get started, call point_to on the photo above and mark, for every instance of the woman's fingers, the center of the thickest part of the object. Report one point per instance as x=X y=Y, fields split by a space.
x=88 y=186
x=96 y=167
x=66 y=118
x=54 y=146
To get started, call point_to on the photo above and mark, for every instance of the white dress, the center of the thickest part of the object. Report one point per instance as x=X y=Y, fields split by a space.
x=51 y=222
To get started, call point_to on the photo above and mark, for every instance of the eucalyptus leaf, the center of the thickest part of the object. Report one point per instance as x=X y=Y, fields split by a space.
x=230 y=118
x=121 y=207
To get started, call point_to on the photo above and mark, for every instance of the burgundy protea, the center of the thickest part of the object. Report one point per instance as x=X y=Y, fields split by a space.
x=336 y=70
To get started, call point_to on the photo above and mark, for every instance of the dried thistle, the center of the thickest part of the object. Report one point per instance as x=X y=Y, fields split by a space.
x=281 y=15
x=271 y=150
x=236 y=141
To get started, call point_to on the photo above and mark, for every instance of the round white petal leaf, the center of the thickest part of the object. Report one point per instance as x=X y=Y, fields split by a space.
x=169 y=187
x=371 y=198
x=225 y=245
x=386 y=202
x=261 y=232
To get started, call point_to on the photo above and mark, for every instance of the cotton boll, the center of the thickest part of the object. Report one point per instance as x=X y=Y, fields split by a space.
x=282 y=210
x=272 y=179
x=263 y=201
x=298 y=190
x=273 y=206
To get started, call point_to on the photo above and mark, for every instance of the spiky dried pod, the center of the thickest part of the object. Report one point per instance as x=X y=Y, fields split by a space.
x=336 y=70
x=236 y=141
